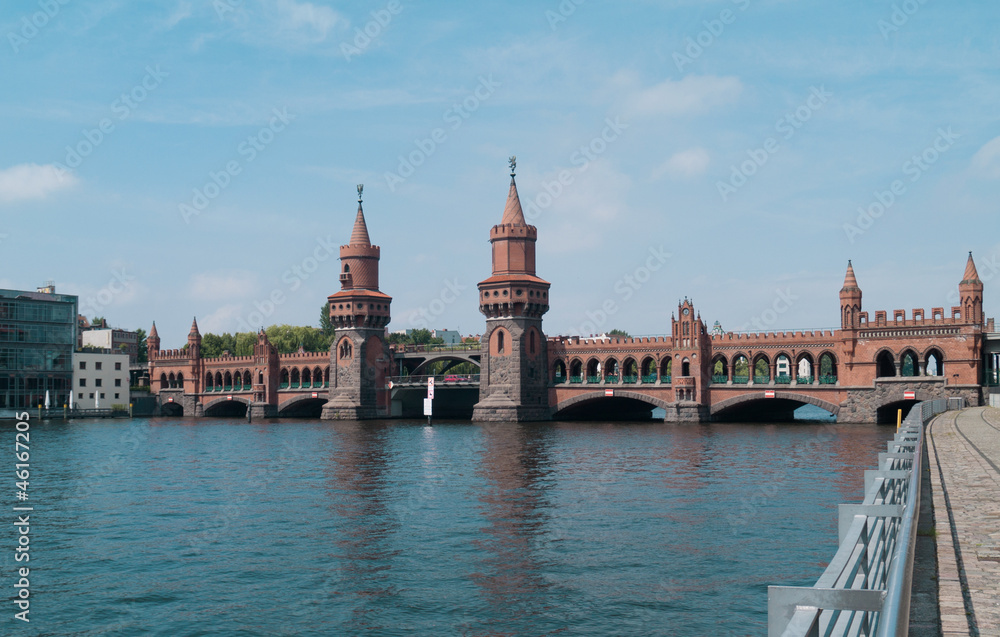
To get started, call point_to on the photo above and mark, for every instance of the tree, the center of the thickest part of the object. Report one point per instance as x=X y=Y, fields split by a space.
x=325 y=324
x=143 y=354
x=619 y=333
x=422 y=337
x=398 y=338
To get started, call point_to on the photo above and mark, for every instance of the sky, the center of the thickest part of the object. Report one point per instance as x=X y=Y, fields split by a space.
x=170 y=159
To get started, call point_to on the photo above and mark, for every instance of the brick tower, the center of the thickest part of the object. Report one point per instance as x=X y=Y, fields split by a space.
x=513 y=385
x=359 y=355
x=970 y=291
x=152 y=343
x=850 y=317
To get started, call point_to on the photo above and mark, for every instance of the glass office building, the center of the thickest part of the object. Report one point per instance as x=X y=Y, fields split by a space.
x=37 y=339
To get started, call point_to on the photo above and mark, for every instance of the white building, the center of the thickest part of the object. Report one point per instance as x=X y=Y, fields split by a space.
x=100 y=380
x=113 y=339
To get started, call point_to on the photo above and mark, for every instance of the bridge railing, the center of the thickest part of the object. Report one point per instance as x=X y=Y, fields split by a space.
x=458 y=347
x=866 y=588
x=439 y=379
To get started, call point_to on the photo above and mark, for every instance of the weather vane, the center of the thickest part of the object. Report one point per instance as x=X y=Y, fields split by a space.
x=361 y=189
x=513 y=164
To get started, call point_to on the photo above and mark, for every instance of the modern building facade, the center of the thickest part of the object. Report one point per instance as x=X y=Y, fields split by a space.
x=114 y=339
x=37 y=339
x=100 y=380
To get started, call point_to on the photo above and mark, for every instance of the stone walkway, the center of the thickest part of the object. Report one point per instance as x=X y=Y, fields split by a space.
x=964 y=453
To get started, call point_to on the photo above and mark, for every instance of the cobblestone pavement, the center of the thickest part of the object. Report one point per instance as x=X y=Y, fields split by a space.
x=964 y=454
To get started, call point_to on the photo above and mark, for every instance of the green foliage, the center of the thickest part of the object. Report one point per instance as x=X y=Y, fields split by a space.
x=415 y=337
x=143 y=355
x=619 y=333
x=718 y=369
x=286 y=338
x=399 y=339
x=325 y=324
x=741 y=367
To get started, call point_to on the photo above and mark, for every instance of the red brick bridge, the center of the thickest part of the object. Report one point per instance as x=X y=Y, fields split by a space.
x=861 y=372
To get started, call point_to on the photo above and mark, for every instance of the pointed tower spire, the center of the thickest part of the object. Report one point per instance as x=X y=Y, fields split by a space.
x=970 y=291
x=359 y=236
x=971 y=275
x=152 y=343
x=850 y=300
x=850 y=281
x=512 y=214
x=194 y=328
x=152 y=332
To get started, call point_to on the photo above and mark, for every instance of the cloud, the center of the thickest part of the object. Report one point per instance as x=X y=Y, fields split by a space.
x=308 y=16
x=225 y=319
x=691 y=95
x=182 y=12
x=31 y=181
x=685 y=164
x=223 y=285
x=986 y=161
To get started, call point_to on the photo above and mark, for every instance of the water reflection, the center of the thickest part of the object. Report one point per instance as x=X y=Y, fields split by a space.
x=359 y=490
x=517 y=467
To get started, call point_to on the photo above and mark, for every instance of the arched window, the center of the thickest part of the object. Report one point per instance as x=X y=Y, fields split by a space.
x=934 y=365
x=827 y=369
x=885 y=365
x=559 y=372
x=173 y=381
x=685 y=364
x=533 y=341
x=163 y=381
x=909 y=365
x=500 y=342
x=576 y=371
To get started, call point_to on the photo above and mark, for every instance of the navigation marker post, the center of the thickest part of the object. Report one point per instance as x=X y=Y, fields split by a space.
x=429 y=401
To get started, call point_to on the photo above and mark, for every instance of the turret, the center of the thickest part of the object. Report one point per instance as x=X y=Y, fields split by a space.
x=152 y=343
x=970 y=291
x=850 y=300
x=194 y=340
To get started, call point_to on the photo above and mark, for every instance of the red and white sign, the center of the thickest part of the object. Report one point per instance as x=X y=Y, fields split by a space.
x=430 y=387
x=768 y=393
x=229 y=397
x=909 y=395
x=170 y=400
x=609 y=392
x=315 y=394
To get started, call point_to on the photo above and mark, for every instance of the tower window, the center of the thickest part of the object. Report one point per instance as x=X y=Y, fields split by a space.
x=500 y=343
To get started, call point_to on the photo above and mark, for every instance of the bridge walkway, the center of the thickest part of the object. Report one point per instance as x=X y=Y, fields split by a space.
x=964 y=453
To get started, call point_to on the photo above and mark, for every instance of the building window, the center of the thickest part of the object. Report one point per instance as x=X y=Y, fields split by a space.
x=102 y=394
x=97 y=365
x=91 y=394
x=116 y=395
x=118 y=367
x=80 y=395
x=83 y=382
x=118 y=382
x=97 y=382
x=83 y=364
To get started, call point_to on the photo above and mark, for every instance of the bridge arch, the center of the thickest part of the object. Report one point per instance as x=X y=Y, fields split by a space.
x=302 y=406
x=720 y=368
x=452 y=358
x=209 y=381
x=761 y=368
x=610 y=367
x=597 y=397
x=576 y=368
x=223 y=406
x=666 y=368
x=648 y=368
x=745 y=399
x=172 y=410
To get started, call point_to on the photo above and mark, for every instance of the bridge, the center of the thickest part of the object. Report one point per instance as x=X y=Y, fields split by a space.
x=862 y=371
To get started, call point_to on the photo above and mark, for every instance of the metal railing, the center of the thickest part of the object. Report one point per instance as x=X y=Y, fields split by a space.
x=439 y=379
x=866 y=588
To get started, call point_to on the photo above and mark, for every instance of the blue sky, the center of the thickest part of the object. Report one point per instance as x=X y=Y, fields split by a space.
x=717 y=150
